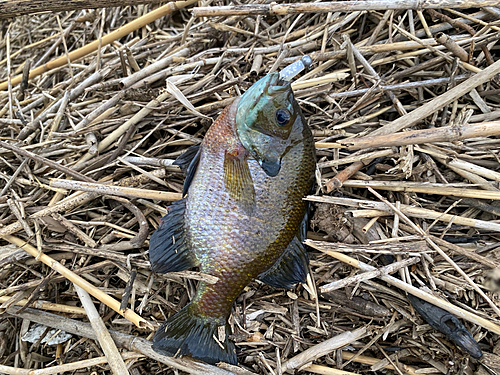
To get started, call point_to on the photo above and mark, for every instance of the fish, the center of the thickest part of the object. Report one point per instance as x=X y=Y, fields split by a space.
x=242 y=215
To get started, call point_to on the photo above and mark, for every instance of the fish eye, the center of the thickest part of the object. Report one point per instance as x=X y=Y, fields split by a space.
x=282 y=117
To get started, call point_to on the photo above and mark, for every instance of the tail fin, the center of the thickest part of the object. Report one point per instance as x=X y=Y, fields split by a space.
x=200 y=337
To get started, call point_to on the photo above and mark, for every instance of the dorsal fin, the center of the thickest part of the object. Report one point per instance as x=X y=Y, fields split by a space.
x=168 y=251
x=188 y=162
x=185 y=159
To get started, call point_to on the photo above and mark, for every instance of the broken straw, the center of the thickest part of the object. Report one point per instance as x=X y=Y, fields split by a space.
x=293 y=69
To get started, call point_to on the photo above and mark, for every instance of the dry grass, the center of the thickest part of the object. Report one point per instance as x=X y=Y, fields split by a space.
x=110 y=121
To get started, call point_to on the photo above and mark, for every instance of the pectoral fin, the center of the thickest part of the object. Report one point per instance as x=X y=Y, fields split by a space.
x=238 y=180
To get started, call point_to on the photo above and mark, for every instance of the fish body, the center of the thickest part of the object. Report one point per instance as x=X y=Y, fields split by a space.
x=242 y=216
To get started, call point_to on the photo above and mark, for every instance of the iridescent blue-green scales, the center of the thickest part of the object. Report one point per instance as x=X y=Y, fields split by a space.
x=241 y=217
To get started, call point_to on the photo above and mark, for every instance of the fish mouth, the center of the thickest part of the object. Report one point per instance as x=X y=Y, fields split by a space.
x=278 y=89
x=279 y=86
x=270 y=167
x=274 y=87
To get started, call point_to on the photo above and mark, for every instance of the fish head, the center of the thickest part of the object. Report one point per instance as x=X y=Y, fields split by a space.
x=266 y=114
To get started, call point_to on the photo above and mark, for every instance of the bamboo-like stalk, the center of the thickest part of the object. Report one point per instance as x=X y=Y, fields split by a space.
x=13 y=8
x=440 y=101
x=105 y=40
x=417 y=187
x=381 y=209
x=352 y=159
x=336 y=6
x=452 y=46
x=445 y=305
x=372 y=361
x=67 y=367
x=49 y=306
x=153 y=68
x=323 y=348
x=108 y=346
x=474 y=178
x=461 y=164
x=115 y=190
x=313 y=82
x=324 y=370
x=71 y=276
x=413 y=137
x=391 y=268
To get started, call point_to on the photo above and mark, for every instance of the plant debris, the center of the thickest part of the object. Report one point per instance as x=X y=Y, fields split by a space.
x=404 y=106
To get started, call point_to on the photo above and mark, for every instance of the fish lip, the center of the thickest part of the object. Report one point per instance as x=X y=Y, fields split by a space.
x=279 y=85
x=282 y=82
x=273 y=87
x=276 y=89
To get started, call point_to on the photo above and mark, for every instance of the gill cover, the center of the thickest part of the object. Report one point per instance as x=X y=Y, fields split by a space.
x=266 y=114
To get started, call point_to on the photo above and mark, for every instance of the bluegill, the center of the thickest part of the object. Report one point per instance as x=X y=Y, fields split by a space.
x=241 y=218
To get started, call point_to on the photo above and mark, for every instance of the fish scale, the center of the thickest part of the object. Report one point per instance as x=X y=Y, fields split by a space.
x=241 y=218
x=279 y=205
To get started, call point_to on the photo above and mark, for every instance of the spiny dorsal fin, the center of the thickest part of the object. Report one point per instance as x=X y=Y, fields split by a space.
x=188 y=162
x=185 y=159
x=168 y=251
x=238 y=180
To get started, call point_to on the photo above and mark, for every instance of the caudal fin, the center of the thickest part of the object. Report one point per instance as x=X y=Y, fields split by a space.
x=202 y=338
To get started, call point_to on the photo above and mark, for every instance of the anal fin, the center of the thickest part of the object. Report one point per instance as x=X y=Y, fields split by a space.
x=238 y=180
x=168 y=251
x=291 y=267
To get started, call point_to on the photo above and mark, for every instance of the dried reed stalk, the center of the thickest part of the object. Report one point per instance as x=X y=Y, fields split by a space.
x=105 y=40
x=71 y=276
x=324 y=348
x=111 y=353
x=426 y=188
x=49 y=306
x=115 y=190
x=15 y=8
x=337 y=6
x=445 y=305
x=414 y=137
